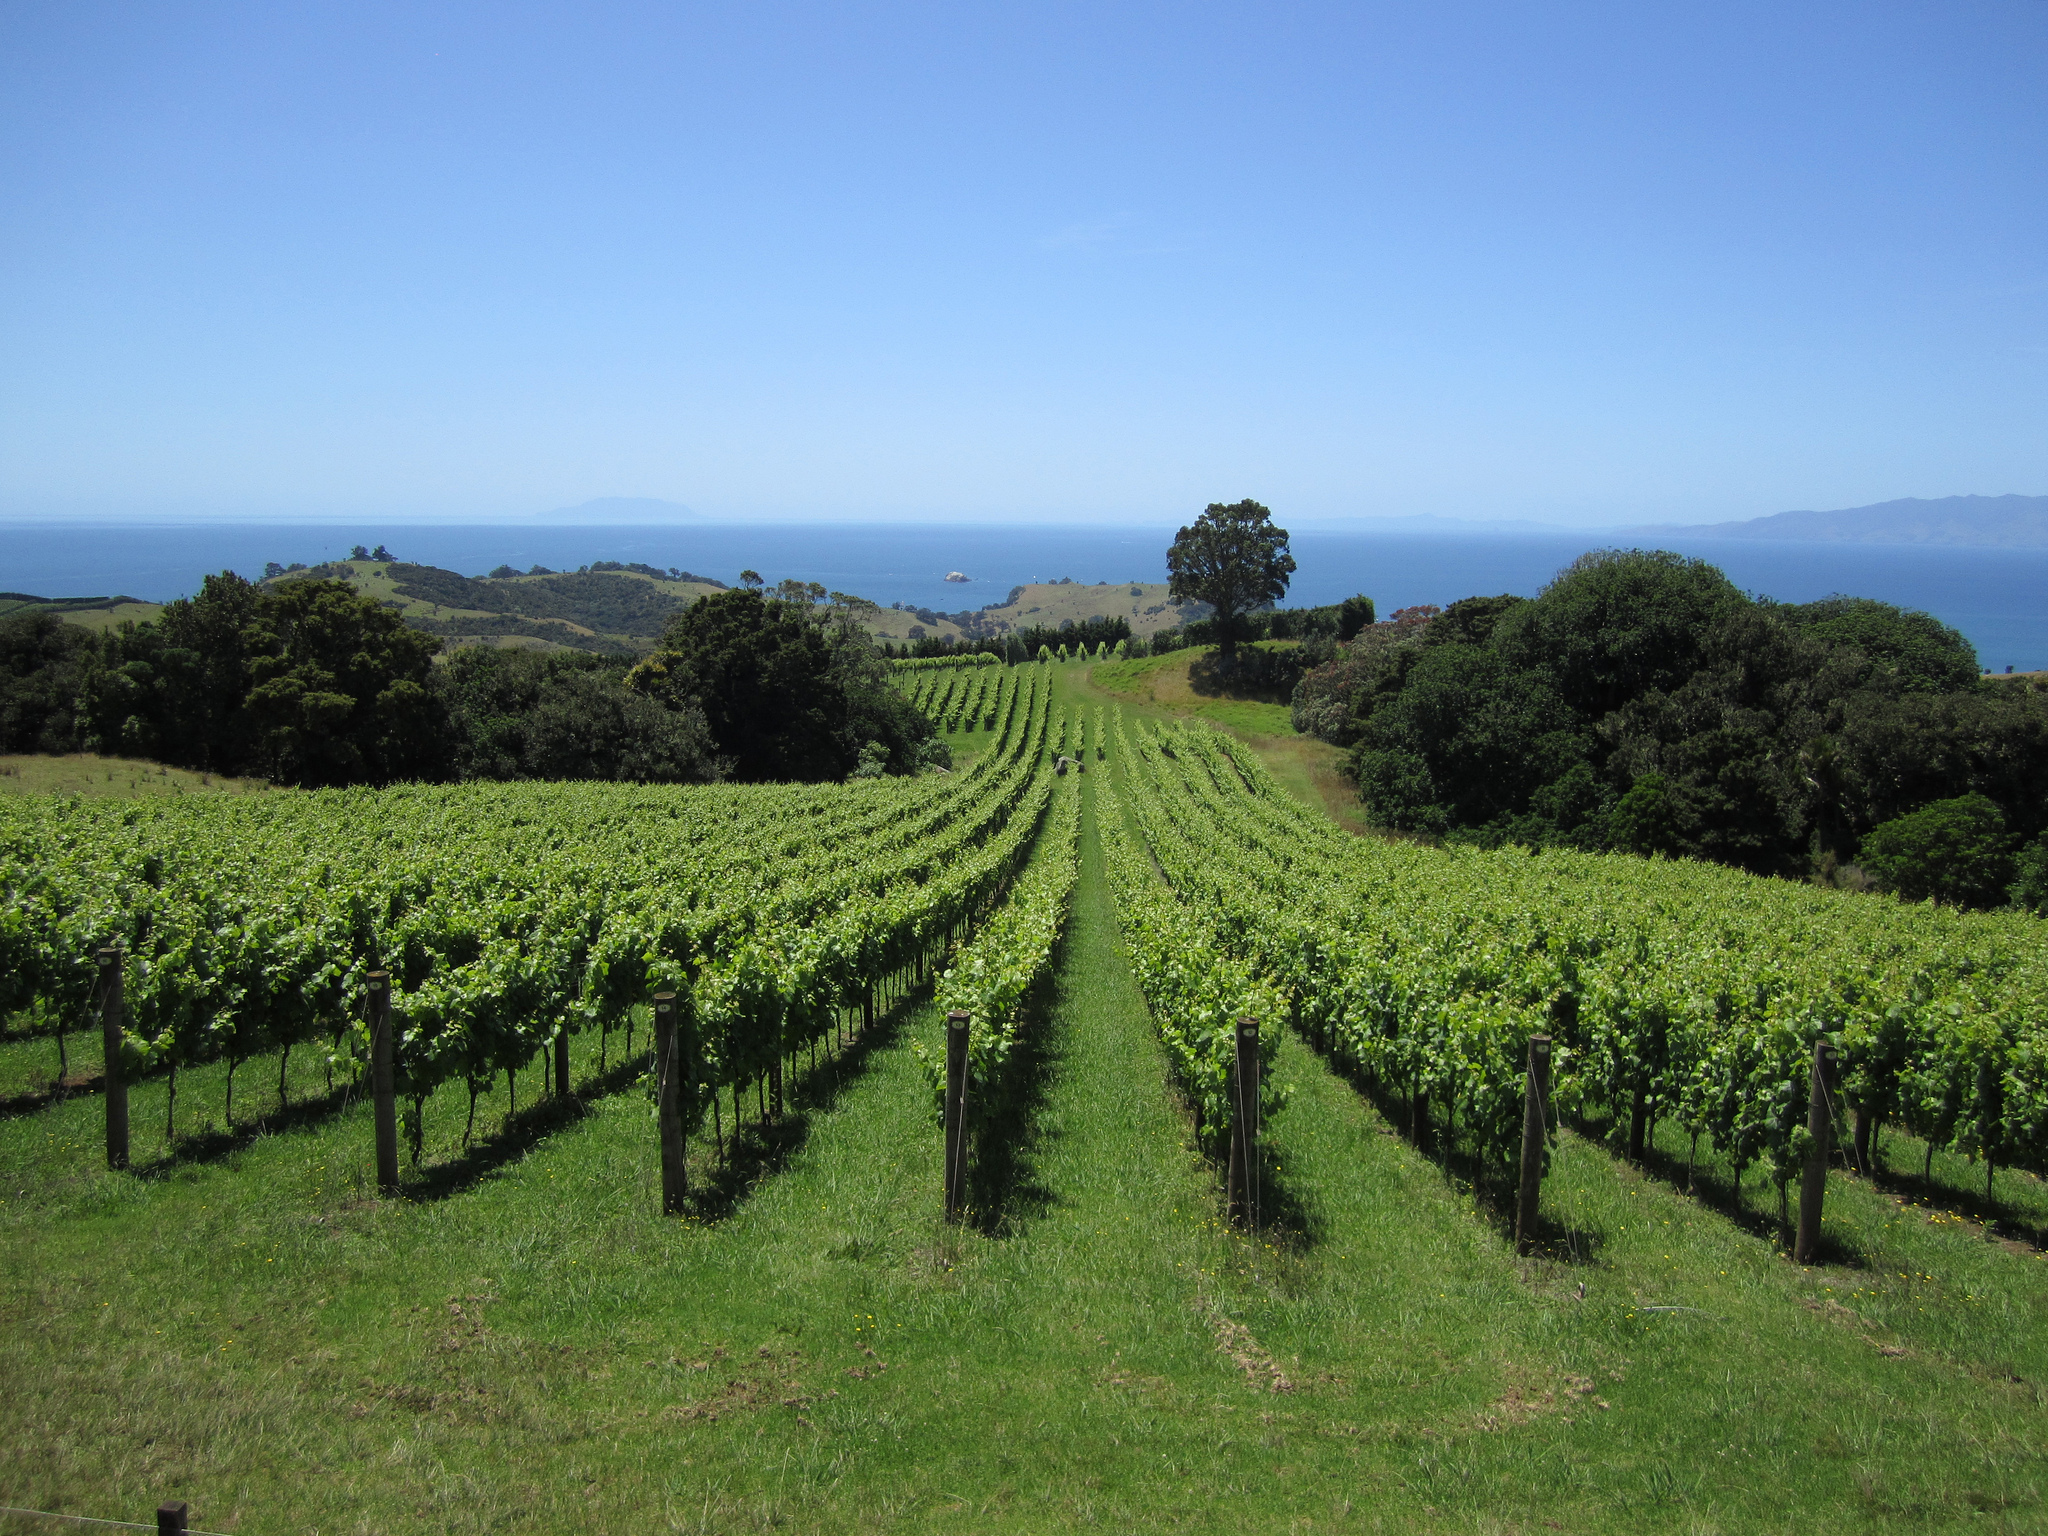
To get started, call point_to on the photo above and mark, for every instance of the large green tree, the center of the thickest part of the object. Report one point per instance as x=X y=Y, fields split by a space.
x=522 y=714
x=338 y=689
x=789 y=682
x=308 y=682
x=1234 y=559
x=1957 y=851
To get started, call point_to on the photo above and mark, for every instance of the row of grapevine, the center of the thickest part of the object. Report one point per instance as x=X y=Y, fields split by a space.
x=1196 y=988
x=961 y=698
x=991 y=979
x=1673 y=990
x=946 y=663
x=508 y=915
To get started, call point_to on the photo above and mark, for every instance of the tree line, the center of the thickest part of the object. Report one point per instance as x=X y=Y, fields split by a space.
x=1642 y=703
x=305 y=681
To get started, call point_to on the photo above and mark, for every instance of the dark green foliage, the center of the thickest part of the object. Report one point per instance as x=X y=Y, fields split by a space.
x=1333 y=700
x=1641 y=702
x=610 y=601
x=520 y=714
x=1482 y=737
x=1616 y=623
x=308 y=683
x=1087 y=632
x=1469 y=621
x=791 y=687
x=2030 y=889
x=1258 y=672
x=1909 y=749
x=1354 y=614
x=43 y=661
x=337 y=686
x=1907 y=651
x=1234 y=559
x=1955 y=851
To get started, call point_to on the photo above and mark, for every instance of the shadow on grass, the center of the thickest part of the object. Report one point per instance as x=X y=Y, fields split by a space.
x=38 y=1099
x=755 y=1151
x=1004 y=1190
x=216 y=1142
x=1493 y=1188
x=1713 y=1187
x=1261 y=677
x=2001 y=1219
x=1285 y=1220
x=517 y=1134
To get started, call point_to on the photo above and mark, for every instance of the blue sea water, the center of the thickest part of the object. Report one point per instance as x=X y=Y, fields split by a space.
x=1996 y=597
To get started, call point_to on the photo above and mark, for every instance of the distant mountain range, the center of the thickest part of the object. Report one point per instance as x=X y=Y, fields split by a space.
x=2011 y=522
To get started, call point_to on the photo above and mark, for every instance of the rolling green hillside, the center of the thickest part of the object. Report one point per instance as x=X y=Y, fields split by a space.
x=621 y=612
x=1145 y=604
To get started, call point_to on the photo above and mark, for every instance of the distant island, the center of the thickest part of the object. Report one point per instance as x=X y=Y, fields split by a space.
x=2008 y=522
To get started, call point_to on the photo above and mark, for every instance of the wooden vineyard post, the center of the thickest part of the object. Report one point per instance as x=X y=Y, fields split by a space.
x=956 y=1113
x=562 y=1061
x=1242 y=1183
x=1813 y=1182
x=172 y=1517
x=384 y=1081
x=1535 y=1095
x=669 y=1065
x=113 y=1021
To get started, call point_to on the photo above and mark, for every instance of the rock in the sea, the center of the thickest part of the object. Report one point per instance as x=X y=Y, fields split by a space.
x=956 y=576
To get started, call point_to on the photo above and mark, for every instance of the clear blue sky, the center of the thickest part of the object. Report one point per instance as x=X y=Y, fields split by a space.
x=1576 y=262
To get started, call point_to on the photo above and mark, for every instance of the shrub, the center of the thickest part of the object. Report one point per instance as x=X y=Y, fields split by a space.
x=1955 y=851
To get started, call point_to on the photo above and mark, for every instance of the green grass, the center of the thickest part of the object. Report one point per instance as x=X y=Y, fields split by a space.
x=118 y=778
x=522 y=1342
x=1159 y=687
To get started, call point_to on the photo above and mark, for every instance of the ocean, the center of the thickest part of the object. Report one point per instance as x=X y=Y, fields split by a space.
x=1998 y=598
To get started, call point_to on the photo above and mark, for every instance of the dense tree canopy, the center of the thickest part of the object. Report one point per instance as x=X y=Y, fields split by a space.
x=1956 y=851
x=307 y=682
x=1641 y=702
x=524 y=714
x=43 y=662
x=790 y=684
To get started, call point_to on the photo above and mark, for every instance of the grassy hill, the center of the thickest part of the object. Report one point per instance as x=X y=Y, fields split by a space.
x=111 y=778
x=91 y=612
x=614 y=611
x=1144 y=604
x=621 y=611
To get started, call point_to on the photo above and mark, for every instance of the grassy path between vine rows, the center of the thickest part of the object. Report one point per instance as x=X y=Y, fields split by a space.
x=525 y=1344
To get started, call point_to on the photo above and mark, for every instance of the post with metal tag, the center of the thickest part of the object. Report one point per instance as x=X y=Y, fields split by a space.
x=1813 y=1182
x=113 y=1023
x=956 y=1114
x=669 y=1068
x=1535 y=1095
x=384 y=1081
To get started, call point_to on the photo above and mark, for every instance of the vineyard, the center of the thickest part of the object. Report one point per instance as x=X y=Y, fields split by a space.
x=1674 y=992
x=1235 y=1097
